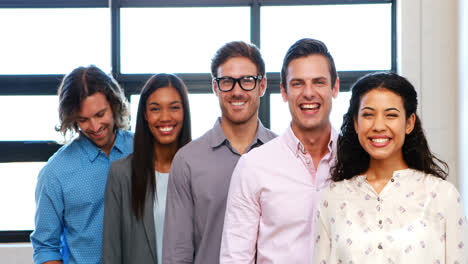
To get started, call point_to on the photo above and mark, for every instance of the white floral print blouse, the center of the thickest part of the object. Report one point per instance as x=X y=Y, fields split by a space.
x=416 y=218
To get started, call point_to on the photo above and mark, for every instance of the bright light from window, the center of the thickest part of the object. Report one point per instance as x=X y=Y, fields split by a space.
x=358 y=36
x=17 y=187
x=53 y=41
x=281 y=118
x=180 y=40
x=29 y=118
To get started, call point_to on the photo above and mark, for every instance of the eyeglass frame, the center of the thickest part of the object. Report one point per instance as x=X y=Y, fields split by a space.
x=238 y=80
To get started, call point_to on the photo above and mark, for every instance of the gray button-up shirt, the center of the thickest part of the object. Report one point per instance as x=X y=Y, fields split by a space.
x=196 y=196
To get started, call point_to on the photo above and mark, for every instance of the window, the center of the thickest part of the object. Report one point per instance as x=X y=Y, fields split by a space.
x=178 y=40
x=22 y=174
x=30 y=118
x=356 y=45
x=44 y=39
x=53 y=41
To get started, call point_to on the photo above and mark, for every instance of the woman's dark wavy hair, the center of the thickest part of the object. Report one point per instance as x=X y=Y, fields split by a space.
x=353 y=160
x=143 y=141
x=81 y=83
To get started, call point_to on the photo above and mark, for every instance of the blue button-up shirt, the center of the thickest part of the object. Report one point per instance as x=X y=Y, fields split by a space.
x=70 y=201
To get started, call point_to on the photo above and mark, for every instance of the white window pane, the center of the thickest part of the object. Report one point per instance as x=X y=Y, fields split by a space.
x=280 y=117
x=181 y=40
x=29 y=118
x=204 y=109
x=53 y=41
x=17 y=186
x=134 y=99
x=358 y=36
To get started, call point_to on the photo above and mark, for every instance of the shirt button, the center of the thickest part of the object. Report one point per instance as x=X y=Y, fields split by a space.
x=307 y=161
x=380 y=246
x=392 y=180
x=378 y=199
x=380 y=222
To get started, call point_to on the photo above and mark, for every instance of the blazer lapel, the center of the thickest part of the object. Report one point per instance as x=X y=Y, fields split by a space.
x=148 y=222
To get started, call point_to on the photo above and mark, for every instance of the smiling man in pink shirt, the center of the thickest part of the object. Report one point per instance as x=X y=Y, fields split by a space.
x=275 y=188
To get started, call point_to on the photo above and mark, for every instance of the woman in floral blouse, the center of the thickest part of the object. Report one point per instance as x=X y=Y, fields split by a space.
x=389 y=201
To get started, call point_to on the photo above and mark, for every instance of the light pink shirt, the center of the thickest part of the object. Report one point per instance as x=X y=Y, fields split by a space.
x=271 y=203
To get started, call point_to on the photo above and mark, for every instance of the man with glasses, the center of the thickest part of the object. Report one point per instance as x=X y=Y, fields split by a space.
x=201 y=170
x=275 y=188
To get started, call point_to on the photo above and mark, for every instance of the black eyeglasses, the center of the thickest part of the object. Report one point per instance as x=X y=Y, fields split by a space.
x=246 y=83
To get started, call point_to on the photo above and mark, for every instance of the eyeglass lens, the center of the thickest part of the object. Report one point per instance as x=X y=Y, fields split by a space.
x=246 y=82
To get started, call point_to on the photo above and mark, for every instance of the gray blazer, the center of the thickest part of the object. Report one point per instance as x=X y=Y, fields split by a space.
x=126 y=240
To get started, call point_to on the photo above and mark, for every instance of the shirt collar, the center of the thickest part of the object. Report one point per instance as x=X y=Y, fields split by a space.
x=298 y=148
x=218 y=137
x=93 y=151
x=262 y=133
x=397 y=176
x=119 y=143
x=217 y=134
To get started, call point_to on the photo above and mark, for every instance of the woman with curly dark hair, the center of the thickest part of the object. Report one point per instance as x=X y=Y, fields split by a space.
x=389 y=201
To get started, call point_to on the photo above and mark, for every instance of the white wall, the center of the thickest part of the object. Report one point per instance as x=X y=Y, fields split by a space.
x=428 y=57
x=18 y=253
x=463 y=99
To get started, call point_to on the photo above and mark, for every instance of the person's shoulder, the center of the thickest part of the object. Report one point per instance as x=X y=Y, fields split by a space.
x=123 y=163
x=268 y=135
x=440 y=185
x=61 y=163
x=272 y=147
x=429 y=180
x=126 y=141
x=121 y=168
x=436 y=187
x=339 y=191
x=64 y=156
x=334 y=194
x=196 y=145
x=263 y=158
x=339 y=187
x=127 y=135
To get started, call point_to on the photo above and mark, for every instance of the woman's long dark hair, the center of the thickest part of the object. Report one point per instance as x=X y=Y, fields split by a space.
x=143 y=141
x=353 y=160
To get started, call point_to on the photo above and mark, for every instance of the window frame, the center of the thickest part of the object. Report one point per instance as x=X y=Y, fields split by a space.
x=21 y=151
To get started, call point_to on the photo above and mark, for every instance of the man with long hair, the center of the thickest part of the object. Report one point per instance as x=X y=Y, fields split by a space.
x=201 y=170
x=275 y=188
x=70 y=187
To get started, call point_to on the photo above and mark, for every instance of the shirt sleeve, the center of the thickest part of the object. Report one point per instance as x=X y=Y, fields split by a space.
x=322 y=246
x=178 y=236
x=112 y=236
x=242 y=216
x=456 y=228
x=46 y=238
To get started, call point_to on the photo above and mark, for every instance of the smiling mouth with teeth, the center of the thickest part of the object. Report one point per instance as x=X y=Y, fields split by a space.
x=237 y=103
x=166 y=129
x=380 y=140
x=97 y=134
x=310 y=106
